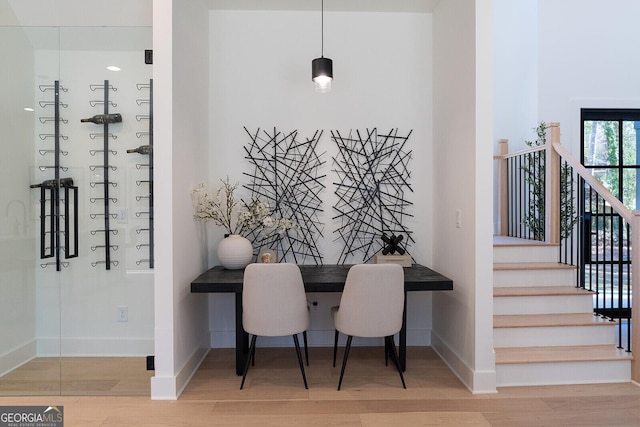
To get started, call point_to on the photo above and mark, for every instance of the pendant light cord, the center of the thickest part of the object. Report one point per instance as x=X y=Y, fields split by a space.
x=322 y=29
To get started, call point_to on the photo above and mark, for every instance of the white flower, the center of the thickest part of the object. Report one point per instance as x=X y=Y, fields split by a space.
x=223 y=210
x=269 y=222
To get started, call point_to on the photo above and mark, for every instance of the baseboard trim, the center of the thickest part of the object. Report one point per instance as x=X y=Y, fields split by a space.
x=476 y=382
x=171 y=387
x=17 y=357
x=189 y=369
x=163 y=388
x=92 y=347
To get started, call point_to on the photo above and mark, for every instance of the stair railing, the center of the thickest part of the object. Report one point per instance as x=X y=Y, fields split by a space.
x=603 y=248
x=523 y=176
x=599 y=242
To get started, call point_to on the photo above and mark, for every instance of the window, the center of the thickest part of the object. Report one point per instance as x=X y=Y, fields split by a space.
x=610 y=140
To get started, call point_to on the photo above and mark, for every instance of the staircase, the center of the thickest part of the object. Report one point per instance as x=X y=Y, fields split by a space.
x=544 y=329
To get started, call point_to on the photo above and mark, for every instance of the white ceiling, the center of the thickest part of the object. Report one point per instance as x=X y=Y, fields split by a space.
x=422 y=6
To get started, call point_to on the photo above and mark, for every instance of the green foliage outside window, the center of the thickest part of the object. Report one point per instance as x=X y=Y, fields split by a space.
x=601 y=155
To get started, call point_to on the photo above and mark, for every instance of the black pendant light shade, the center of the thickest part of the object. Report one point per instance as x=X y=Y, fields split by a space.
x=322 y=68
x=322 y=73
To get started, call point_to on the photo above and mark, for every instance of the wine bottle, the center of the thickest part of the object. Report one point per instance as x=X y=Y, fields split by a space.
x=100 y=119
x=49 y=183
x=52 y=183
x=66 y=182
x=143 y=149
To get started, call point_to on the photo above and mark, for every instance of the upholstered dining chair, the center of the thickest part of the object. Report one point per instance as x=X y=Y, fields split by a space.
x=371 y=305
x=274 y=304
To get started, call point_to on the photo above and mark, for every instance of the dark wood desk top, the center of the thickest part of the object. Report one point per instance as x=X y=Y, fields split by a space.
x=319 y=278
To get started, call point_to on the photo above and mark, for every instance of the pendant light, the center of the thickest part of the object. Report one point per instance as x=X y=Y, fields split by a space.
x=322 y=68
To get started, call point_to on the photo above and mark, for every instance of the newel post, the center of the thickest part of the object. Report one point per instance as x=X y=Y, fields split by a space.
x=503 y=186
x=552 y=201
x=635 y=295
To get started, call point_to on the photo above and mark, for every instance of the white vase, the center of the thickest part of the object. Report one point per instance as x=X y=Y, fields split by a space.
x=235 y=252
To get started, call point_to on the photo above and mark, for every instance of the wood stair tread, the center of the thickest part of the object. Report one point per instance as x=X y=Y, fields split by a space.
x=561 y=341
x=581 y=353
x=520 y=245
x=521 y=291
x=532 y=266
x=516 y=241
x=550 y=320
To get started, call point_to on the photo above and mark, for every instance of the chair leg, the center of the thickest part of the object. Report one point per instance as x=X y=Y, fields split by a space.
x=299 y=354
x=386 y=351
x=335 y=348
x=252 y=349
x=394 y=357
x=252 y=355
x=344 y=360
x=306 y=351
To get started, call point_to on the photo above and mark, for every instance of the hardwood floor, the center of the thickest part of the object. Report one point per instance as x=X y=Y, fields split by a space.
x=98 y=376
x=372 y=395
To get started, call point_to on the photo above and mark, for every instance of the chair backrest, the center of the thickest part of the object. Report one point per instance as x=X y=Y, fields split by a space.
x=274 y=302
x=372 y=301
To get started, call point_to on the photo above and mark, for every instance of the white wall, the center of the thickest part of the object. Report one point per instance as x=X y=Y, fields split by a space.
x=69 y=13
x=463 y=118
x=261 y=78
x=586 y=60
x=180 y=41
x=516 y=77
x=516 y=71
x=484 y=380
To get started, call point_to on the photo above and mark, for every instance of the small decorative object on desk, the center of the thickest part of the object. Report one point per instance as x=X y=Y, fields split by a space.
x=392 y=245
x=267 y=256
x=238 y=219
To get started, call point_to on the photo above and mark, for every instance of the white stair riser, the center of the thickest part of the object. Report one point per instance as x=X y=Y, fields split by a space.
x=534 y=277
x=531 y=374
x=543 y=304
x=553 y=336
x=563 y=373
x=525 y=254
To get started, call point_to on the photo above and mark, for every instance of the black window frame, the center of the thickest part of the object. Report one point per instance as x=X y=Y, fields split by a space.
x=619 y=115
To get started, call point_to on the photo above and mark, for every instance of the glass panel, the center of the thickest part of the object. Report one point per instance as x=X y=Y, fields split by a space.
x=608 y=177
x=85 y=329
x=29 y=286
x=107 y=321
x=630 y=188
x=630 y=140
x=601 y=143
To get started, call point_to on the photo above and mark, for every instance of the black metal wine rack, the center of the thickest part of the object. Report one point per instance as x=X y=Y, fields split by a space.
x=56 y=205
x=148 y=151
x=106 y=182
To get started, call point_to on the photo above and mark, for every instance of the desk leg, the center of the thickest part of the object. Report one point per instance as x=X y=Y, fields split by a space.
x=242 y=338
x=402 y=350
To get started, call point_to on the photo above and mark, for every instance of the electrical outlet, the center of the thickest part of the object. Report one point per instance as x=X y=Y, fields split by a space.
x=458 y=218
x=123 y=313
